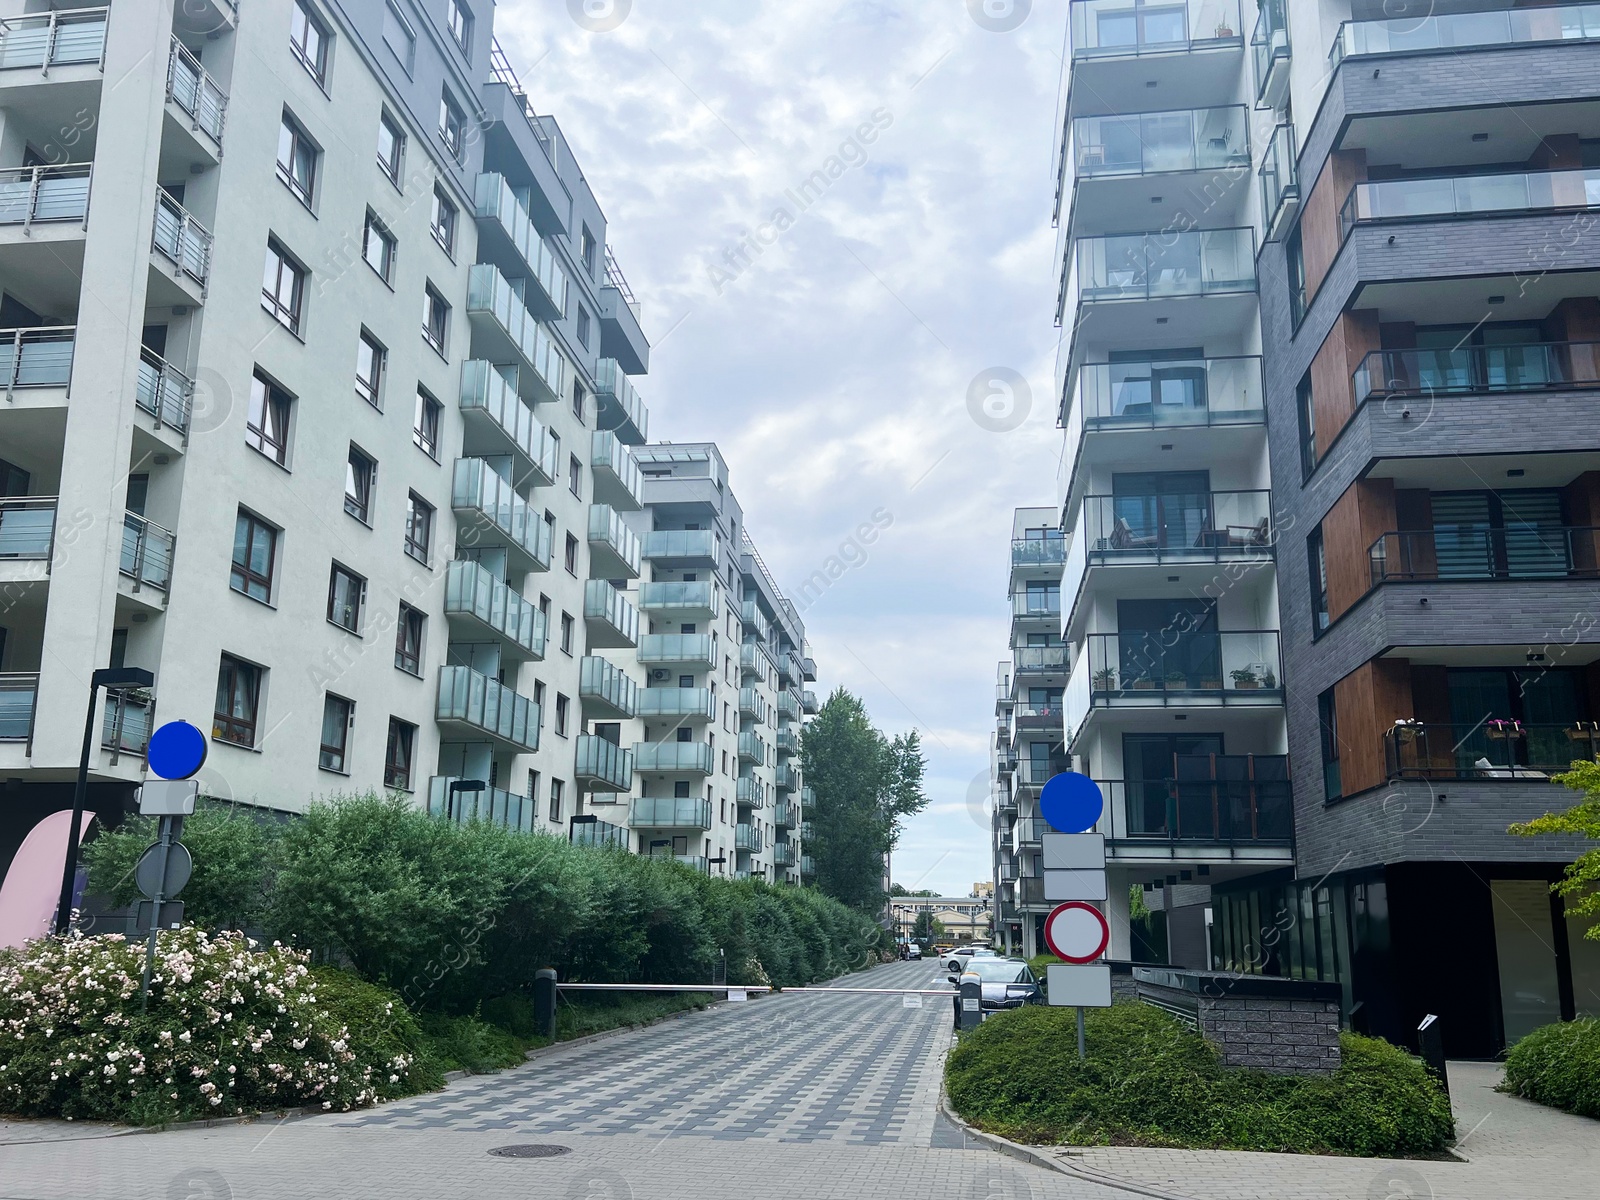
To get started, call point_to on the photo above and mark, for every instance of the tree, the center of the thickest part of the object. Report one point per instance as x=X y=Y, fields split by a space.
x=865 y=785
x=1581 y=887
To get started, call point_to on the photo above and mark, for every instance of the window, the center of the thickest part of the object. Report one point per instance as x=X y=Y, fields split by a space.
x=567 y=626
x=346 y=590
x=452 y=126
x=358 y=473
x=538 y=700
x=458 y=19
x=1294 y=254
x=583 y=326
x=408 y=640
x=557 y=787
x=370 y=359
x=399 y=36
x=680 y=789
x=1317 y=561
x=575 y=475
x=425 y=424
x=337 y=713
x=578 y=403
x=589 y=250
x=308 y=37
x=255 y=553
x=419 y=528
x=572 y=555
x=435 y=318
x=533 y=793
x=283 y=287
x=443 y=221
x=562 y=705
x=238 y=696
x=397 y=755
x=1306 y=411
x=267 y=428
x=297 y=160
x=1328 y=717
x=391 y=148
x=377 y=246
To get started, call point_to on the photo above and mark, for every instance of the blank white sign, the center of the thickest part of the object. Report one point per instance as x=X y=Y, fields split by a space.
x=1081 y=851
x=1079 y=987
x=1075 y=885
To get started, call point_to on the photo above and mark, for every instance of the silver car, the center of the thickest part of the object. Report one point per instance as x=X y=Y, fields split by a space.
x=1004 y=983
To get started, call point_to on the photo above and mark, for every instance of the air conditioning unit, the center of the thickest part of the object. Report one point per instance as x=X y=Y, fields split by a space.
x=660 y=673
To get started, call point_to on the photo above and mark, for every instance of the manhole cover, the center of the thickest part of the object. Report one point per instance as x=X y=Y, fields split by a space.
x=530 y=1150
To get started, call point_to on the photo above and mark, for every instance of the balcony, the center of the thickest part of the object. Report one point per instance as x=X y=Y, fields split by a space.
x=493 y=806
x=754 y=661
x=1470 y=196
x=808 y=668
x=505 y=331
x=1280 y=182
x=808 y=865
x=783 y=854
x=36 y=358
x=1478 y=370
x=1145 y=531
x=621 y=409
x=616 y=477
x=1141 y=669
x=602 y=766
x=491 y=513
x=686 y=651
x=1270 y=51
x=613 y=547
x=1191 y=49
x=695 y=862
x=508 y=239
x=496 y=421
x=609 y=617
x=1479 y=554
x=601 y=834
x=1494 y=749
x=127 y=723
x=753 y=705
x=755 y=622
x=183 y=241
x=684 y=549
x=747 y=837
x=1047 y=553
x=750 y=792
x=27 y=528
x=607 y=693
x=788 y=707
x=163 y=391
x=809 y=703
x=146 y=556
x=681 y=706
x=788 y=672
x=752 y=749
x=621 y=337
x=18 y=695
x=785 y=815
x=1033 y=773
x=786 y=741
x=476 y=603
x=695 y=600
x=673 y=758
x=1037 y=605
x=44 y=195
x=52 y=39
x=1038 y=717
x=472 y=705
x=808 y=796
x=195 y=94
x=1220 y=800
x=1039 y=660
x=786 y=778
x=1450 y=32
x=1160 y=268
x=1029 y=831
x=667 y=812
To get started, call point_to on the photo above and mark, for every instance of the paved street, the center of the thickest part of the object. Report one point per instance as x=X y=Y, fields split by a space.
x=803 y=1097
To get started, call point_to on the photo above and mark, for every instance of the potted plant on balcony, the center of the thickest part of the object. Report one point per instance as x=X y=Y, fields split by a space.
x=1176 y=680
x=1245 y=678
x=1224 y=30
x=1143 y=683
x=1269 y=680
x=1105 y=680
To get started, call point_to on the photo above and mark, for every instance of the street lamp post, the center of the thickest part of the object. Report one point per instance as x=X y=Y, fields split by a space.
x=106 y=677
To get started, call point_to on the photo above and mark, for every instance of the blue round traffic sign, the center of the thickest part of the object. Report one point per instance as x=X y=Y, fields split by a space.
x=1071 y=802
x=177 y=750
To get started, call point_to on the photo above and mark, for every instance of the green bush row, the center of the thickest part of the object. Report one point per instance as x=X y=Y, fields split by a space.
x=1149 y=1080
x=1558 y=1065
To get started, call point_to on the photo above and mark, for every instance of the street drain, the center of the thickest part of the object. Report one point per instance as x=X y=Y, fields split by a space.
x=531 y=1150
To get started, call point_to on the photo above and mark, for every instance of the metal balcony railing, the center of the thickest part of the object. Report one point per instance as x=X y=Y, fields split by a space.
x=43 y=194
x=471 y=591
x=1270 y=50
x=1036 y=603
x=1231 y=799
x=1166 y=394
x=667 y=812
x=1171 y=666
x=1044 y=659
x=27 y=527
x=57 y=38
x=37 y=357
x=1481 y=553
x=1039 y=552
x=1280 y=181
x=146 y=552
x=1425 y=33
x=181 y=239
x=485 y=391
x=195 y=92
x=163 y=391
x=1161 y=266
x=1478 y=370
x=1180 y=526
x=19 y=692
x=1493 y=749
x=127 y=723
x=1153 y=143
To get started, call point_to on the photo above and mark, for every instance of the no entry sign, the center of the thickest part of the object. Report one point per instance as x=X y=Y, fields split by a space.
x=1076 y=932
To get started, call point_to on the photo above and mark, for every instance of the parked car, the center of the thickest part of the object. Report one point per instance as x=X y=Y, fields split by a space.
x=1005 y=983
x=914 y=952
x=955 y=959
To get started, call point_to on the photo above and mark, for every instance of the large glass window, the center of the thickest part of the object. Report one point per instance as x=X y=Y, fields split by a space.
x=267 y=424
x=1160 y=510
x=255 y=552
x=308 y=38
x=297 y=160
x=283 y=287
x=1317 y=562
x=1328 y=719
x=238 y=698
x=346 y=591
x=397 y=755
x=336 y=717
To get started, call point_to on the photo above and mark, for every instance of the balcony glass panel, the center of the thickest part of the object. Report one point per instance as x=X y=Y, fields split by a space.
x=39 y=194
x=608 y=529
x=1039 y=552
x=613 y=464
x=1472 y=370
x=602 y=680
x=1036 y=603
x=754 y=620
x=195 y=92
x=747 y=837
x=472 y=591
x=491 y=293
x=18 y=693
x=1269 y=46
x=809 y=702
x=622 y=409
x=180 y=238
x=491 y=805
x=1177 y=525
x=1039 y=658
x=752 y=749
x=786 y=778
x=783 y=854
x=750 y=792
x=600 y=833
x=1114 y=28
x=1170 y=394
x=27 y=527
x=1521 y=550
x=784 y=815
x=677 y=703
x=1153 y=143
x=667 y=812
x=688 y=758
x=51 y=39
x=495 y=200
x=1157 y=266
x=488 y=706
x=1470 y=195
x=1456 y=31
x=672 y=596
x=146 y=552
x=484 y=390
x=1494 y=749
x=476 y=488
x=687 y=648
x=701 y=544
x=602 y=602
x=604 y=762
x=1165 y=665
x=163 y=391
x=37 y=357
x=1029 y=831
x=1280 y=179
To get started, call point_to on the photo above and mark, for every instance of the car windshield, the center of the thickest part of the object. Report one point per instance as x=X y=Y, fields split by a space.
x=999 y=970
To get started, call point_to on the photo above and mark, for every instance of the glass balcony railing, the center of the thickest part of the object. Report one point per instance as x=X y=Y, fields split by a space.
x=786 y=741
x=1175 y=666
x=505 y=517
x=695 y=862
x=488 y=395
x=754 y=660
x=1470 y=196
x=673 y=758
x=602 y=683
x=1155 y=143
x=698 y=545
x=1229 y=799
x=753 y=704
x=27 y=527
x=617 y=480
x=603 y=603
x=1280 y=181
x=195 y=92
x=809 y=702
x=1038 y=552
x=750 y=792
x=1161 y=266
x=1468 y=30
x=785 y=815
x=1493 y=749
x=668 y=812
x=755 y=621
x=1478 y=370
x=786 y=778
x=808 y=865
x=752 y=748
x=1207 y=526
x=52 y=39
x=146 y=552
x=493 y=806
x=747 y=837
x=1122 y=28
x=181 y=239
x=677 y=704
x=18 y=694
x=127 y=723
x=1036 y=603
x=491 y=296
x=163 y=391
x=788 y=707
x=485 y=705
x=1052 y=659
x=1171 y=394
x=1039 y=715
x=681 y=649
x=609 y=533
x=496 y=201
x=602 y=765
x=808 y=796
x=1034 y=773
x=1029 y=831
x=471 y=591
x=37 y=357
x=622 y=409
x=1480 y=553
x=41 y=194
x=1270 y=50
x=695 y=596
x=783 y=854
x=601 y=833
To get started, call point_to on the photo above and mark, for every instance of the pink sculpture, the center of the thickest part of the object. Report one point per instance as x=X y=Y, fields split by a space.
x=32 y=887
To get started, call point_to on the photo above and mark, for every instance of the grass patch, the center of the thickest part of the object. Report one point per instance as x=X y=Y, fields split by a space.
x=1558 y=1065
x=596 y=1012
x=1149 y=1081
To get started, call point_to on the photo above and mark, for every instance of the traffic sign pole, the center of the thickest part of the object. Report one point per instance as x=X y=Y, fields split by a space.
x=175 y=754
x=1074 y=860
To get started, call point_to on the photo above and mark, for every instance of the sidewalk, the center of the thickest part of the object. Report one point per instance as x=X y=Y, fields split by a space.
x=1513 y=1150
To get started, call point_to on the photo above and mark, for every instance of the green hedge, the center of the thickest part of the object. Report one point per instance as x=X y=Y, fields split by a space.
x=1558 y=1065
x=1150 y=1081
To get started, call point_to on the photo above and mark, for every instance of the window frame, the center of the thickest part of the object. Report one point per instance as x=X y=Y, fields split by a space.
x=254 y=523
x=316 y=64
x=288 y=264
x=1317 y=574
x=257 y=437
x=444 y=232
x=408 y=62
x=394 y=171
x=426 y=416
x=326 y=750
x=355 y=598
x=563 y=714
x=370 y=387
x=408 y=657
x=390 y=761
x=584 y=322
x=298 y=139
x=225 y=727
x=362 y=499
x=375 y=228
x=417 y=507
x=458 y=23
x=434 y=304
x=452 y=134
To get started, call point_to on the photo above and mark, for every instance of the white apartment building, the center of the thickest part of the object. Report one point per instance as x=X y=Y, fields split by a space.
x=365 y=511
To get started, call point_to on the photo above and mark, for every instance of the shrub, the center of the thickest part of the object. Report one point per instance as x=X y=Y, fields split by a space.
x=1558 y=1065
x=230 y=1028
x=459 y=1043
x=1149 y=1080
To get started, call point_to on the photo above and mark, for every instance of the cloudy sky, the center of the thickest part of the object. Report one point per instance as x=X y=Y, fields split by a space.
x=829 y=337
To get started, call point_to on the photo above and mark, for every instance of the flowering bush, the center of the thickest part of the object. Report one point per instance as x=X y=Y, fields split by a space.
x=231 y=1027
